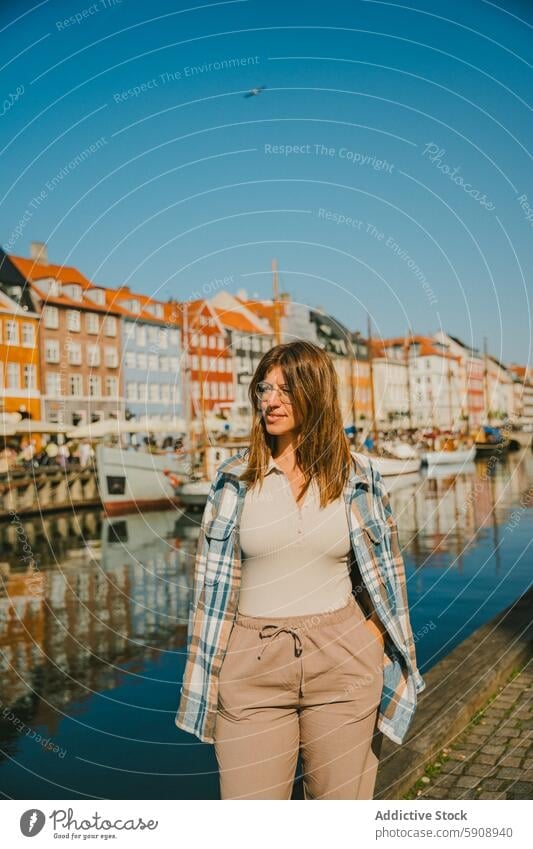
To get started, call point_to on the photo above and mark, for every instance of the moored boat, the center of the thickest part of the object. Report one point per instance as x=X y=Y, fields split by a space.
x=391 y=466
x=455 y=457
x=130 y=480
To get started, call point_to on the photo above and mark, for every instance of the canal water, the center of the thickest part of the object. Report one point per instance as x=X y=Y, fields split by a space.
x=92 y=631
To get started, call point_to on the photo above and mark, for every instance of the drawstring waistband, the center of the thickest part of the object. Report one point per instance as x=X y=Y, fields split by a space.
x=298 y=648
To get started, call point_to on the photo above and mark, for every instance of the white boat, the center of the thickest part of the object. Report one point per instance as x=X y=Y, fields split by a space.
x=401 y=450
x=448 y=470
x=439 y=458
x=130 y=480
x=398 y=482
x=389 y=466
x=193 y=494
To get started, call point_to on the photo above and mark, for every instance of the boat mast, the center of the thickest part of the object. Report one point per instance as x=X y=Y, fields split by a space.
x=450 y=395
x=407 y=354
x=187 y=379
x=371 y=372
x=486 y=411
x=202 y=327
x=351 y=355
x=275 y=300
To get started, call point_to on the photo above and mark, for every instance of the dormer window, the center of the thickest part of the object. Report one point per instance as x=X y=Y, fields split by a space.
x=15 y=292
x=134 y=305
x=97 y=296
x=72 y=290
x=49 y=285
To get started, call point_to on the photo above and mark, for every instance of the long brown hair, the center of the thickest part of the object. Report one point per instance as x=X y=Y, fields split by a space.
x=322 y=450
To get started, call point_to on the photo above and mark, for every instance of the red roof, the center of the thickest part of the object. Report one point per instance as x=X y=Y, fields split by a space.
x=427 y=346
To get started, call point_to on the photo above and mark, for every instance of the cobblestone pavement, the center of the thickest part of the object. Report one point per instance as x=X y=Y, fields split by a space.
x=493 y=757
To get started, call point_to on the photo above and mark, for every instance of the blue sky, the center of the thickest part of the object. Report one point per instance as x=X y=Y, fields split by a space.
x=385 y=165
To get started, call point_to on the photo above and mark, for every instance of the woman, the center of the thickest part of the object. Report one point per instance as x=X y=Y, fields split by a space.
x=299 y=637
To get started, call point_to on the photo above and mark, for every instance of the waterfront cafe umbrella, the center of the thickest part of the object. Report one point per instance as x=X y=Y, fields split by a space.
x=29 y=426
x=116 y=427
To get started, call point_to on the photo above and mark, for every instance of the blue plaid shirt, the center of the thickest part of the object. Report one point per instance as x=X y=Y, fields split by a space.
x=376 y=548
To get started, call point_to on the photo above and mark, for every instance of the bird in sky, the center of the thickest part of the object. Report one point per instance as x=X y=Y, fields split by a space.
x=254 y=92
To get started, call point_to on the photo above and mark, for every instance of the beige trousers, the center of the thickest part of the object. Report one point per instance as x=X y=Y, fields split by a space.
x=309 y=684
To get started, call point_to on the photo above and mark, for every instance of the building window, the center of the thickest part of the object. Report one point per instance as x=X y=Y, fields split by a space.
x=92 y=322
x=95 y=389
x=194 y=340
x=222 y=391
x=51 y=318
x=51 y=350
x=72 y=290
x=212 y=363
x=28 y=335
x=212 y=341
x=153 y=362
x=165 y=392
x=203 y=341
x=206 y=390
x=214 y=390
x=96 y=295
x=111 y=357
x=53 y=383
x=29 y=376
x=76 y=385
x=130 y=359
x=142 y=391
x=205 y=362
x=111 y=386
x=141 y=361
x=163 y=363
x=12 y=333
x=163 y=339
x=73 y=320
x=13 y=376
x=228 y=365
x=110 y=325
x=141 y=336
x=154 y=392
x=74 y=353
x=131 y=391
x=174 y=364
x=93 y=355
x=153 y=335
x=174 y=337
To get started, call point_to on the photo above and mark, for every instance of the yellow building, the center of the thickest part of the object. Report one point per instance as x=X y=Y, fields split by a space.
x=19 y=349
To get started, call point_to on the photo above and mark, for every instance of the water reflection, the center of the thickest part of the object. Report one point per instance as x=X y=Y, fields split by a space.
x=92 y=636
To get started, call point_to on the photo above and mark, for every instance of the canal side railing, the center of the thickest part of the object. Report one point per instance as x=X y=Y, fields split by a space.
x=46 y=489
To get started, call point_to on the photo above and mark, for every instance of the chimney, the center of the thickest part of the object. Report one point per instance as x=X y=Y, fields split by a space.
x=39 y=252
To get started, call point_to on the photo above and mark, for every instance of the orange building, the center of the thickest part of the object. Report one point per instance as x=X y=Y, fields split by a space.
x=19 y=349
x=209 y=358
x=79 y=341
